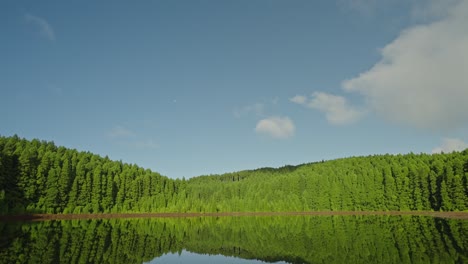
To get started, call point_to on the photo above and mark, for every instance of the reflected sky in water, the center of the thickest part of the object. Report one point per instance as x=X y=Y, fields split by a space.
x=194 y=258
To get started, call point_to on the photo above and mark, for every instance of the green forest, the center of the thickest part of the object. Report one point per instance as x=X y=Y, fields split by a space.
x=39 y=177
x=296 y=239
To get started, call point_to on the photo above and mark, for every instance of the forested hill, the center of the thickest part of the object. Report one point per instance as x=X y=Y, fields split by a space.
x=39 y=177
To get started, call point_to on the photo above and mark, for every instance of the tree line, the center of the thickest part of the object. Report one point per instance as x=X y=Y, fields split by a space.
x=39 y=177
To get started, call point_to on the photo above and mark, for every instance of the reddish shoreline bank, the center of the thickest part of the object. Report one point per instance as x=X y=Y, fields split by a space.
x=46 y=217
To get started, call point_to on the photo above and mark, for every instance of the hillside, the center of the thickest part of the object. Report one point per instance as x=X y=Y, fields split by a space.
x=39 y=177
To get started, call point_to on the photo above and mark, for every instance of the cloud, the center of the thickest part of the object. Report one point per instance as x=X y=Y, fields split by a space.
x=121 y=132
x=424 y=10
x=422 y=77
x=45 y=29
x=450 y=145
x=257 y=109
x=298 y=99
x=336 y=108
x=421 y=10
x=276 y=127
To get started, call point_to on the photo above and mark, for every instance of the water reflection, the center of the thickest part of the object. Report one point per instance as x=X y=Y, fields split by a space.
x=285 y=239
x=194 y=258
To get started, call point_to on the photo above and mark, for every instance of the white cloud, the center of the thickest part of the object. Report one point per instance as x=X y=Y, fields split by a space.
x=257 y=109
x=276 y=127
x=45 y=29
x=450 y=145
x=336 y=108
x=121 y=132
x=424 y=10
x=298 y=99
x=422 y=78
x=421 y=10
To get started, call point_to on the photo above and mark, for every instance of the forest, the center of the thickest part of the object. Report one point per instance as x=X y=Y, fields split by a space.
x=296 y=239
x=39 y=177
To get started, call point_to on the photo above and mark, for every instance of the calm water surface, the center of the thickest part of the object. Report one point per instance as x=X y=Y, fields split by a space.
x=252 y=239
x=194 y=258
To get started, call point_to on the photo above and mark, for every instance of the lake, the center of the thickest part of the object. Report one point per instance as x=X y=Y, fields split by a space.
x=247 y=239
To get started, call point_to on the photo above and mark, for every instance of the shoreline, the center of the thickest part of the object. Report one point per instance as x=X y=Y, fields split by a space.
x=49 y=217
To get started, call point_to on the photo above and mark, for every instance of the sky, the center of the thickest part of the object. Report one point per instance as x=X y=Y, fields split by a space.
x=197 y=87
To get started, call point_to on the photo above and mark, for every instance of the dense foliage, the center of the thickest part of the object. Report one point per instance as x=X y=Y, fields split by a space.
x=296 y=239
x=37 y=176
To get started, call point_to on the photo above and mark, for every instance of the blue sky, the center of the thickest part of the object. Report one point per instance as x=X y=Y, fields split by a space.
x=187 y=88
